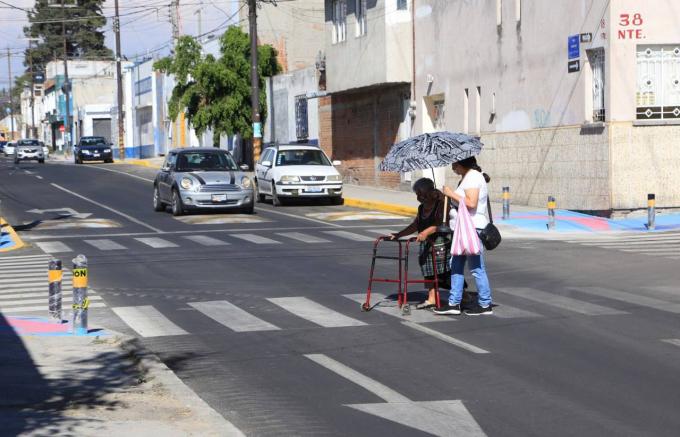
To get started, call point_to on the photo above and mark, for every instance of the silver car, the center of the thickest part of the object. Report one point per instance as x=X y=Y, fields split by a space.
x=202 y=179
x=29 y=150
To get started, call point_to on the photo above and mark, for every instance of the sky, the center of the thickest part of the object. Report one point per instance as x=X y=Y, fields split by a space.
x=145 y=26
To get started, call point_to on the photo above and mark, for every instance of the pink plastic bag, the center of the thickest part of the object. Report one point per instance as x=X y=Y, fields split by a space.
x=465 y=239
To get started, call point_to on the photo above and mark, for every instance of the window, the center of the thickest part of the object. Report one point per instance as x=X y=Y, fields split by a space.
x=402 y=5
x=658 y=82
x=518 y=11
x=301 y=119
x=301 y=157
x=360 y=13
x=339 y=21
x=596 y=59
x=478 y=110
x=499 y=12
x=466 y=109
x=439 y=114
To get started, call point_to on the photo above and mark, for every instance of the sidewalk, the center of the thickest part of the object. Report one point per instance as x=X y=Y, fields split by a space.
x=54 y=383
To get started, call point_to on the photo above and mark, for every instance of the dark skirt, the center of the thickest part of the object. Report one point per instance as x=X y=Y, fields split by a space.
x=442 y=249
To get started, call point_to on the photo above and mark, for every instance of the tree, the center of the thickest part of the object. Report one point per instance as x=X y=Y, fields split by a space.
x=215 y=93
x=84 y=39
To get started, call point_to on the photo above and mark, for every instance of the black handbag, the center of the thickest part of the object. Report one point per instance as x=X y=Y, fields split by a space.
x=490 y=235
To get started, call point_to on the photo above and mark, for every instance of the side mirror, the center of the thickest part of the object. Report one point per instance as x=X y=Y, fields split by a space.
x=244 y=167
x=165 y=168
x=267 y=163
x=337 y=163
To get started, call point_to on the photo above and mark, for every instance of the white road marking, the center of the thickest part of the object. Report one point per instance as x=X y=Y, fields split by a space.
x=156 y=243
x=350 y=235
x=417 y=316
x=632 y=298
x=382 y=231
x=39 y=177
x=44 y=300
x=448 y=339
x=122 y=172
x=301 y=217
x=566 y=303
x=205 y=240
x=252 y=238
x=105 y=244
x=30 y=282
x=233 y=317
x=314 y=312
x=305 y=238
x=673 y=341
x=147 y=321
x=26 y=257
x=509 y=312
x=53 y=247
x=40 y=266
x=30 y=309
x=42 y=293
x=355 y=215
x=108 y=208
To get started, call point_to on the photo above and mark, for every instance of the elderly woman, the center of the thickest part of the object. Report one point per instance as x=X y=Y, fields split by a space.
x=430 y=215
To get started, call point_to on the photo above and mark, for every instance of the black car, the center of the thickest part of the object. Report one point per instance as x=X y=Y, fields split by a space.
x=93 y=149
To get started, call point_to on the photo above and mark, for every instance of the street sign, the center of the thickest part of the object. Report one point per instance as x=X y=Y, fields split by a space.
x=574 y=66
x=62 y=128
x=573 y=47
x=586 y=37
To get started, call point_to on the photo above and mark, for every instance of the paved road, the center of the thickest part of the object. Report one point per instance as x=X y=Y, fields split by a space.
x=260 y=316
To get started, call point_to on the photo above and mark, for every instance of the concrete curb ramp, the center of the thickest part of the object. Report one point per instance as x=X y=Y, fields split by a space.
x=9 y=240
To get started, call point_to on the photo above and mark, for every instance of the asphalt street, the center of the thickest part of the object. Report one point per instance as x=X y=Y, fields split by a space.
x=260 y=315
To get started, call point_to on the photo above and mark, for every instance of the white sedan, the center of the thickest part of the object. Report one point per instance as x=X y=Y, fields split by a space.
x=297 y=171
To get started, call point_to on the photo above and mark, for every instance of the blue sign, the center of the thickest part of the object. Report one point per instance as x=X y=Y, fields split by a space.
x=573 y=46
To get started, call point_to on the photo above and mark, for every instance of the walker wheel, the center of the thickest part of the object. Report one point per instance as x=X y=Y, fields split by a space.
x=365 y=307
x=406 y=310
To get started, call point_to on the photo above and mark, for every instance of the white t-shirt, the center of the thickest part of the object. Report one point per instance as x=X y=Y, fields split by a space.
x=473 y=179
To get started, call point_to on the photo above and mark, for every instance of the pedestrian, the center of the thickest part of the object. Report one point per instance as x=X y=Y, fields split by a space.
x=430 y=215
x=474 y=191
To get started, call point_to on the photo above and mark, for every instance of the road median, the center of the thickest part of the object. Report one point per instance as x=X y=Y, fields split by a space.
x=9 y=239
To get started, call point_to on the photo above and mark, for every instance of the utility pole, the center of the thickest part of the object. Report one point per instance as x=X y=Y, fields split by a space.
x=67 y=86
x=174 y=19
x=200 y=22
x=254 y=81
x=11 y=98
x=119 y=80
x=30 y=64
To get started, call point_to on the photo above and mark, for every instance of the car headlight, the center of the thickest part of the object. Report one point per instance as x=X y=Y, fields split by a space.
x=85 y=152
x=186 y=183
x=289 y=179
x=245 y=182
x=107 y=150
x=334 y=178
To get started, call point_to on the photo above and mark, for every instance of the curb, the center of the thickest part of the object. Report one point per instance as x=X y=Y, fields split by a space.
x=381 y=206
x=139 y=162
x=18 y=243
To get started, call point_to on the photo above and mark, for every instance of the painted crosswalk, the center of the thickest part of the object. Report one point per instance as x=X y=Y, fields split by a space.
x=660 y=244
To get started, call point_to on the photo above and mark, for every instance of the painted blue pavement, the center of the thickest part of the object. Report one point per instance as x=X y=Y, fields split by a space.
x=43 y=327
x=569 y=221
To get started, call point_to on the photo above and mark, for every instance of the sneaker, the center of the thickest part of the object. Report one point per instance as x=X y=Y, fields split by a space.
x=479 y=311
x=448 y=309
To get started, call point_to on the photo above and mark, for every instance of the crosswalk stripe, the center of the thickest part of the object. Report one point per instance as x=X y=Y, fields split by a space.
x=156 y=243
x=673 y=341
x=314 y=312
x=22 y=289
x=632 y=298
x=447 y=338
x=509 y=312
x=382 y=231
x=36 y=308
x=44 y=300
x=41 y=269
x=105 y=244
x=257 y=239
x=233 y=317
x=25 y=257
x=31 y=281
x=53 y=246
x=206 y=241
x=653 y=251
x=147 y=321
x=632 y=243
x=305 y=238
x=24 y=264
x=562 y=302
x=629 y=237
x=417 y=316
x=42 y=293
x=350 y=236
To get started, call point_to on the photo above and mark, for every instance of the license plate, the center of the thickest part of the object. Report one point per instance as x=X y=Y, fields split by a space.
x=314 y=190
x=96 y=155
x=219 y=197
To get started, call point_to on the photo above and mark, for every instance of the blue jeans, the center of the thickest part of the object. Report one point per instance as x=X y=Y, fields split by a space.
x=478 y=270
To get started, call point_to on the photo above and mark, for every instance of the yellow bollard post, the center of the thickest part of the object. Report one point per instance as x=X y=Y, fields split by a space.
x=80 y=300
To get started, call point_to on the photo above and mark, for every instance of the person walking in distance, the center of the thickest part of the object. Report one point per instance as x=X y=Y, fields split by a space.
x=474 y=192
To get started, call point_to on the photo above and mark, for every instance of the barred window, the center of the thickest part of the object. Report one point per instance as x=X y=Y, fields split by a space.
x=360 y=13
x=339 y=21
x=301 y=118
x=658 y=82
x=402 y=5
x=596 y=59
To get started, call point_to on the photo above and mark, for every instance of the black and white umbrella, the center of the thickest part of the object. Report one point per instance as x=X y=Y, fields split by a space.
x=429 y=151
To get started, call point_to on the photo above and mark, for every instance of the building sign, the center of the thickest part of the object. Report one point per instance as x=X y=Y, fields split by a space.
x=573 y=46
x=630 y=26
x=574 y=66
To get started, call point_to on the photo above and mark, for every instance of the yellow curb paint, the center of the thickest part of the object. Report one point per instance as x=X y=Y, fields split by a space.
x=139 y=162
x=18 y=243
x=381 y=206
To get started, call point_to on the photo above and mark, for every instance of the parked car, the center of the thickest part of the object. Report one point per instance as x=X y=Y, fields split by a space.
x=28 y=150
x=92 y=149
x=297 y=171
x=9 y=149
x=202 y=179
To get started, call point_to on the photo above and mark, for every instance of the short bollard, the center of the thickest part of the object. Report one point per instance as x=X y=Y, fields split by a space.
x=651 y=212
x=506 y=203
x=54 y=277
x=551 y=212
x=80 y=300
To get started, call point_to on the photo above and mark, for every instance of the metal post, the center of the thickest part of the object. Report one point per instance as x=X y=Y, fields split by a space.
x=506 y=203
x=254 y=80
x=80 y=300
x=11 y=98
x=651 y=212
x=551 y=212
x=30 y=63
x=67 y=87
x=119 y=85
x=54 y=278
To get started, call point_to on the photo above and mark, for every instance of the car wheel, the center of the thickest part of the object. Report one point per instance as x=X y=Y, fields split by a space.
x=276 y=200
x=250 y=209
x=108 y=161
x=41 y=161
x=16 y=161
x=177 y=207
x=337 y=201
x=158 y=206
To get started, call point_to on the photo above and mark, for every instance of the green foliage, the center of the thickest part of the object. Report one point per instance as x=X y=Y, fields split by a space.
x=84 y=39
x=215 y=93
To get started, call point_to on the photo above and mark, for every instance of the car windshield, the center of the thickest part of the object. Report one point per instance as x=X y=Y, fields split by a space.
x=301 y=157
x=28 y=143
x=93 y=141
x=205 y=161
